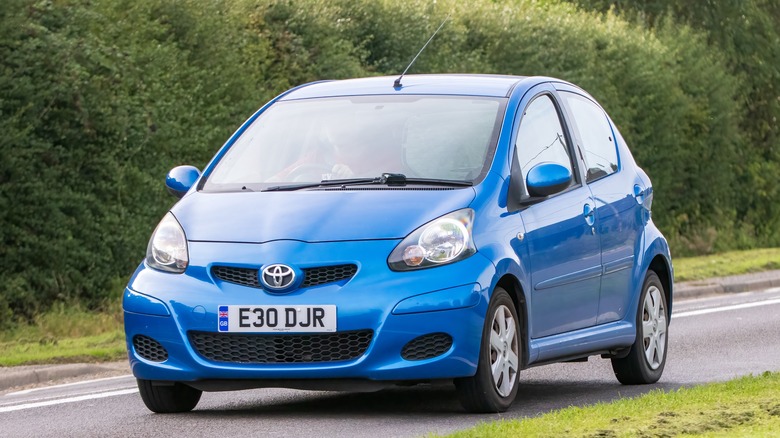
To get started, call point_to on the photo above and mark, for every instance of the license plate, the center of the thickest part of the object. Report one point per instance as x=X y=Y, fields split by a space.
x=269 y=319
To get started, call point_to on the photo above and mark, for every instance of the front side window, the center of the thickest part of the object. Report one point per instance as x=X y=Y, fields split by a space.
x=597 y=141
x=540 y=138
x=312 y=140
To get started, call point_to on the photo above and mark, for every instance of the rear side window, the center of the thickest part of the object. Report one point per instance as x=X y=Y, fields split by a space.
x=540 y=137
x=598 y=143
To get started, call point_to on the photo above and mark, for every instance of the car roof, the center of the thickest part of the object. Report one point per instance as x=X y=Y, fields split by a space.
x=449 y=84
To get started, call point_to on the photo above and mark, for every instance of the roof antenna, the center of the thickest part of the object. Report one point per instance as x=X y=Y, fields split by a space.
x=397 y=82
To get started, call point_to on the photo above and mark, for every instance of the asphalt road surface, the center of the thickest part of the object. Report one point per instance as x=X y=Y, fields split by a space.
x=712 y=339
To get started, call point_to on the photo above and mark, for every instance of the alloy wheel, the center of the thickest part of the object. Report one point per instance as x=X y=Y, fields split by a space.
x=654 y=328
x=504 y=362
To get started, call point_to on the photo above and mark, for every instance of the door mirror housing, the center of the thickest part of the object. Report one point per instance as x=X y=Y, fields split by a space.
x=547 y=179
x=180 y=179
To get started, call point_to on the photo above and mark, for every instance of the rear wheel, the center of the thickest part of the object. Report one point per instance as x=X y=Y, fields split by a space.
x=166 y=399
x=647 y=357
x=494 y=387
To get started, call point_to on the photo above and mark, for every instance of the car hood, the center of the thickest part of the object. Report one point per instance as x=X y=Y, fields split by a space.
x=314 y=215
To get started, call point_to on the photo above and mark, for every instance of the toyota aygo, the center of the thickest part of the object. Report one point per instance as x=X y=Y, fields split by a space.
x=358 y=234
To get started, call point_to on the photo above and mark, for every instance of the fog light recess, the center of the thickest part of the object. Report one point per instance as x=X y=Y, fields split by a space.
x=149 y=349
x=427 y=346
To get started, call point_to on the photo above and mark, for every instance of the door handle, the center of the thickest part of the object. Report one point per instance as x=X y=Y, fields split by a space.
x=589 y=213
x=639 y=194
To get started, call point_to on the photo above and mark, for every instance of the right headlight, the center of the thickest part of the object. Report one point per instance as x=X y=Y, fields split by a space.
x=167 y=250
x=441 y=241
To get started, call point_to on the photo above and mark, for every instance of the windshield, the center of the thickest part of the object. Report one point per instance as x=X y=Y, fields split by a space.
x=313 y=140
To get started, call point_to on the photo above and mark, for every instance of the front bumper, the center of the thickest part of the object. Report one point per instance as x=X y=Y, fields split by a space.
x=397 y=307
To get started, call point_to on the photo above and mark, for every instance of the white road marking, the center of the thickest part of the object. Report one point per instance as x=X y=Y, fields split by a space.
x=67 y=400
x=725 y=308
x=83 y=382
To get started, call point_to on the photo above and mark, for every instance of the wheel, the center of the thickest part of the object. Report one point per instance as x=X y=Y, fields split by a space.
x=166 y=399
x=494 y=387
x=646 y=358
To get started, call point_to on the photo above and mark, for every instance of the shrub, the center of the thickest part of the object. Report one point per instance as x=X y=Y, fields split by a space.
x=99 y=98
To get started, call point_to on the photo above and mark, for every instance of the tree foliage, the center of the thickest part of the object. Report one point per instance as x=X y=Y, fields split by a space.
x=747 y=34
x=99 y=98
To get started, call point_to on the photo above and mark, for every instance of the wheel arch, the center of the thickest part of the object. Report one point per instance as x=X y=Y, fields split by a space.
x=515 y=290
x=662 y=268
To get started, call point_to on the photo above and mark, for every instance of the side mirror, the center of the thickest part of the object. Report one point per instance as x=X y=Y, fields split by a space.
x=180 y=179
x=547 y=179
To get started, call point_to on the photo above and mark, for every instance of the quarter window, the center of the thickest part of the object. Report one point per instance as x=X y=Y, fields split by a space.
x=598 y=142
x=540 y=137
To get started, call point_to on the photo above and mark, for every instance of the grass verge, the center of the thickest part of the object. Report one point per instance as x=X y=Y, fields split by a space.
x=100 y=348
x=66 y=334
x=727 y=263
x=749 y=406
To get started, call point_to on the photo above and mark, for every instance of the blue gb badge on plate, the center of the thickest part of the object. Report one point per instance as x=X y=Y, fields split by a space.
x=223 y=318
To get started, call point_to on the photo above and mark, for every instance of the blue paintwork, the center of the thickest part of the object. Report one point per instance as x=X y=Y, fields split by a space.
x=565 y=264
x=453 y=298
x=313 y=216
x=546 y=179
x=576 y=260
x=135 y=302
x=180 y=179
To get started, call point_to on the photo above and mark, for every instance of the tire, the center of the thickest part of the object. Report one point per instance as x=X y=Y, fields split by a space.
x=168 y=399
x=647 y=357
x=501 y=346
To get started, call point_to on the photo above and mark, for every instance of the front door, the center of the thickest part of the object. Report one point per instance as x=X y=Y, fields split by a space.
x=563 y=247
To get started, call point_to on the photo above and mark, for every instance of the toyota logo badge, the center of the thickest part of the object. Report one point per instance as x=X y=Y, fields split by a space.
x=277 y=276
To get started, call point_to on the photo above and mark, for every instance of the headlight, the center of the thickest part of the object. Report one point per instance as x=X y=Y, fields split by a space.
x=441 y=241
x=167 y=250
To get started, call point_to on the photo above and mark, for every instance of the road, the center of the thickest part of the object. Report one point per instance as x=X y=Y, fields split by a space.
x=712 y=339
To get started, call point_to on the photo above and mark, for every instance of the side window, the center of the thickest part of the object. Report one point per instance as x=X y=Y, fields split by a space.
x=540 y=137
x=598 y=143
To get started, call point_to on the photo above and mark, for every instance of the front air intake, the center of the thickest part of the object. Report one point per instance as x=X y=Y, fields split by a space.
x=149 y=349
x=427 y=346
x=281 y=348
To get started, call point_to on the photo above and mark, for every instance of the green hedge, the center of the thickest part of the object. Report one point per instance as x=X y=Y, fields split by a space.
x=99 y=98
x=747 y=34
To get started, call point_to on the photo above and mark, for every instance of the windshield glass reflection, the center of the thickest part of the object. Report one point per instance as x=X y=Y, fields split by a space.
x=306 y=141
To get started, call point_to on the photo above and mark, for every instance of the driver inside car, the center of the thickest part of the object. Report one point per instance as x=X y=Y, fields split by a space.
x=346 y=150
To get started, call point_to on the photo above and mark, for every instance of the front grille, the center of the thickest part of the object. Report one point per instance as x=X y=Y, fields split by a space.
x=242 y=276
x=282 y=348
x=149 y=349
x=427 y=346
x=311 y=276
x=327 y=274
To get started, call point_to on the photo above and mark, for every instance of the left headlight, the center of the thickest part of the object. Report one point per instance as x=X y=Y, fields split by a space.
x=167 y=250
x=441 y=241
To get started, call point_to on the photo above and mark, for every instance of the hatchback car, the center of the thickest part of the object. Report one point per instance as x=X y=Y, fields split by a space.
x=358 y=234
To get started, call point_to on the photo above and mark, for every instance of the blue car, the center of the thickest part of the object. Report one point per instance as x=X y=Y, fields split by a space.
x=364 y=233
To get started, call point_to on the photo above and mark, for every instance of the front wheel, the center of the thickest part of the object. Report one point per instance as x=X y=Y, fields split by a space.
x=168 y=398
x=647 y=357
x=494 y=387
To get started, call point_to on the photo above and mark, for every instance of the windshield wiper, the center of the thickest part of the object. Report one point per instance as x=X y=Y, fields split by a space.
x=399 y=179
x=323 y=183
x=390 y=179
